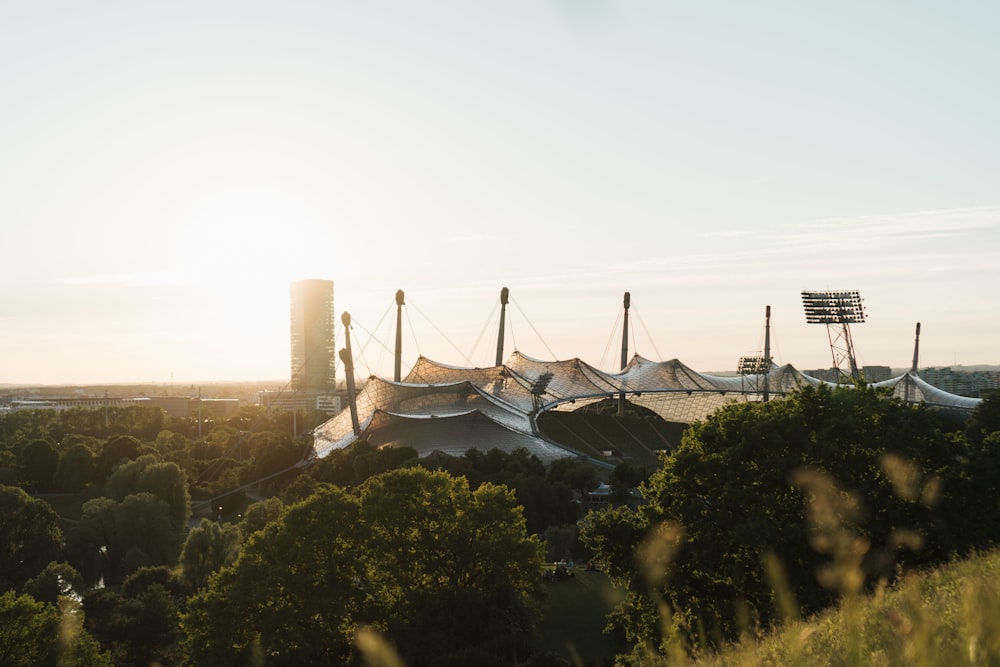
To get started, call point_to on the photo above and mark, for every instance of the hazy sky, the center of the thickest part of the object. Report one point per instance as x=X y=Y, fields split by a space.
x=167 y=169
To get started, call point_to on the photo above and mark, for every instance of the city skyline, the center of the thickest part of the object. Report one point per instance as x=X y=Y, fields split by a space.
x=169 y=170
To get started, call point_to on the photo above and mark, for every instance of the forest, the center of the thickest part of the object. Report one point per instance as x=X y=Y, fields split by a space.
x=127 y=539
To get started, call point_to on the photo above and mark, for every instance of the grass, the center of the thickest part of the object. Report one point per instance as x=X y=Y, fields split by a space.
x=947 y=616
x=575 y=613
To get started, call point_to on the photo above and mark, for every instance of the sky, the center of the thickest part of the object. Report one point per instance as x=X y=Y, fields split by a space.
x=168 y=169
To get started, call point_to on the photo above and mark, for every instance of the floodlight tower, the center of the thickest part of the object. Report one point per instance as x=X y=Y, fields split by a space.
x=837 y=310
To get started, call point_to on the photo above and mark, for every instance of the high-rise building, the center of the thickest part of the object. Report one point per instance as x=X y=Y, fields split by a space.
x=314 y=364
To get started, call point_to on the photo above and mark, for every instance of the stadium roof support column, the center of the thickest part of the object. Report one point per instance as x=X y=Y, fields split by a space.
x=347 y=358
x=913 y=367
x=627 y=302
x=398 y=369
x=504 y=298
x=767 y=353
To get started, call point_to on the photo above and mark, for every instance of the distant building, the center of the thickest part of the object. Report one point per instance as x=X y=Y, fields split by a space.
x=62 y=403
x=826 y=374
x=174 y=406
x=876 y=373
x=276 y=401
x=314 y=364
x=963 y=383
x=219 y=409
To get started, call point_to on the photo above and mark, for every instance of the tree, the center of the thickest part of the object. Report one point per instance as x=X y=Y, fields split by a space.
x=77 y=468
x=111 y=540
x=625 y=477
x=412 y=553
x=35 y=634
x=985 y=419
x=39 y=461
x=437 y=545
x=54 y=580
x=139 y=626
x=209 y=546
x=116 y=450
x=576 y=474
x=298 y=578
x=749 y=481
x=260 y=514
x=30 y=536
x=164 y=480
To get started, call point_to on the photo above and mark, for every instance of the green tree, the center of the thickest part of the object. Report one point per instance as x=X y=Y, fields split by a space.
x=271 y=453
x=736 y=491
x=625 y=477
x=985 y=419
x=116 y=450
x=35 y=634
x=54 y=580
x=164 y=480
x=30 y=536
x=77 y=468
x=577 y=475
x=91 y=542
x=437 y=545
x=140 y=626
x=416 y=554
x=293 y=596
x=111 y=540
x=209 y=546
x=39 y=461
x=260 y=514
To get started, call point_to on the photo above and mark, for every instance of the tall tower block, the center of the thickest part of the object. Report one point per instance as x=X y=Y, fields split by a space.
x=314 y=363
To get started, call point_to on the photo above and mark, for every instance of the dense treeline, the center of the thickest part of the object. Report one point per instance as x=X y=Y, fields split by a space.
x=820 y=495
x=131 y=553
x=174 y=548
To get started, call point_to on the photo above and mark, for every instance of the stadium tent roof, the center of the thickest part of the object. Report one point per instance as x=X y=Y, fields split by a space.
x=452 y=409
x=912 y=388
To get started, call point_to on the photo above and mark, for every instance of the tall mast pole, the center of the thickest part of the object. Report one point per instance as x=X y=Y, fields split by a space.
x=767 y=353
x=504 y=297
x=398 y=373
x=347 y=357
x=627 y=302
x=913 y=367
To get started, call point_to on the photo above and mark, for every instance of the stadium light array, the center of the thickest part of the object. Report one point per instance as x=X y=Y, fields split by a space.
x=839 y=307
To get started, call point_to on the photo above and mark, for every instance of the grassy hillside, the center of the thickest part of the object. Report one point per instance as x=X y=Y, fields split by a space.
x=949 y=616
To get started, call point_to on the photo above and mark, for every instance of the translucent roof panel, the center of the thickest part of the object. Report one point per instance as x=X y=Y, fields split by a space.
x=450 y=409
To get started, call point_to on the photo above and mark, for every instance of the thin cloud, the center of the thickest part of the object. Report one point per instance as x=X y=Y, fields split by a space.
x=475 y=238
x=132 y=279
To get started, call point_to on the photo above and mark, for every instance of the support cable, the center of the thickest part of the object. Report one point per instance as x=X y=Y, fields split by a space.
x=510 y=327
x=372 y=336
x=659 y=356
x=361 y=349
x=482 y=333
x=450 y=342
x=413 y=331
x=611 y=338
x=518 y=306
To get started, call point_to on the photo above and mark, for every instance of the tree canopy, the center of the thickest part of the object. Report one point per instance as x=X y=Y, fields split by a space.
x=750 y=482
x=30 y=536
x=407 y=542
